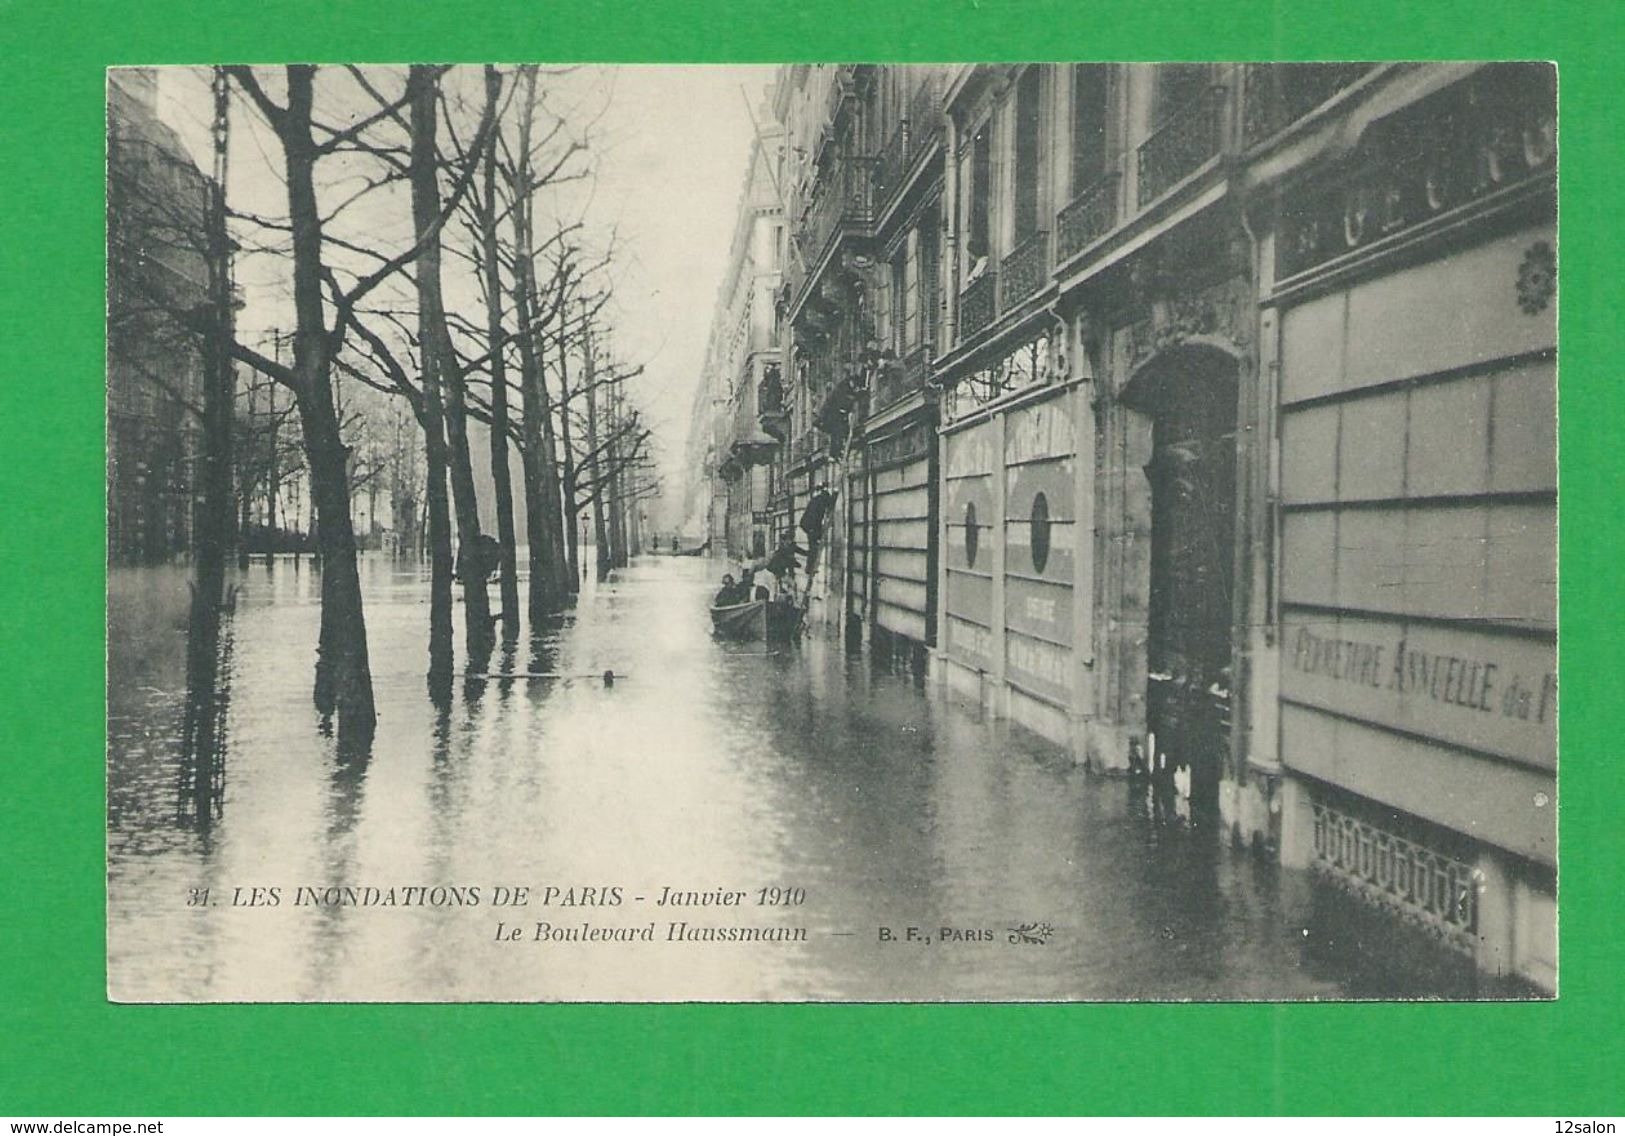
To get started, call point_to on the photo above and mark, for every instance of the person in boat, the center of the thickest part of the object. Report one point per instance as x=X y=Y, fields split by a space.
x=752 y=589
x=730 y=593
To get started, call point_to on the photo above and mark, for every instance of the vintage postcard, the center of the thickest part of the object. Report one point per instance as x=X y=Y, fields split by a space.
x=966 y=532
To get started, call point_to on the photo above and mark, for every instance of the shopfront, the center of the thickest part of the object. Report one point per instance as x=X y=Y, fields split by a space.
x=1015 y=633
x=1416 y=343
x=893 y=551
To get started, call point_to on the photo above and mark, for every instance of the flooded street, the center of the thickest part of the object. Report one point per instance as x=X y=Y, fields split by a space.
x=824 y=809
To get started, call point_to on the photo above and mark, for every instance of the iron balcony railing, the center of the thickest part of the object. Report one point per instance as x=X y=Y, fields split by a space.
x=770 y=395
x=837 y=99
x=771 y=412
x=899 y=378
x=843 y=202
x=1275 y=95
x=976 y=304
x=1179 y=146
x=924 y=114
x=1024 y=269
x=891 y=164
x=1090 y=216
x=913 y=134
x=841 y=89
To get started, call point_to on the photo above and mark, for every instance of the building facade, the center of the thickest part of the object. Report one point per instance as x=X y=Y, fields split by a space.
x=1408 y=326
x=742 y=365
x=826 y=310
x=860 y=308
x=158 y=202
x=1201 y=418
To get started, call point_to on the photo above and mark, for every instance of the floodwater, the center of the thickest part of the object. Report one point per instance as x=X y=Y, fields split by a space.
x=840 y=833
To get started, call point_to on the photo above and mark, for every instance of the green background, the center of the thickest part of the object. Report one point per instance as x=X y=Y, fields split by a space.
x=65 y=1051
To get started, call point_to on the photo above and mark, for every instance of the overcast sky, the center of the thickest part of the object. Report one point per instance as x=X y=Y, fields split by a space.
x=671 y=176
x=669 y=156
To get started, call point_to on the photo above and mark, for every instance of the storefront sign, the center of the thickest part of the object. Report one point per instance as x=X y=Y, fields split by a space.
x=1038 y=668
x=1467 y=142
x=1495 y=693
x=1039 y=609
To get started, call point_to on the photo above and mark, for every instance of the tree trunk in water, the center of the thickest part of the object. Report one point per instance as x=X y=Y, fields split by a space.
x=600 y=538
x=545 y=596
x=558 y=567
x=440 y=362
x=542 y=508
x=243 y=521
x=568 y=485
x=438 y=534
x=499 y=386
x=617 y=505
x=273 y=478
x=201 y=729
x=343 y=670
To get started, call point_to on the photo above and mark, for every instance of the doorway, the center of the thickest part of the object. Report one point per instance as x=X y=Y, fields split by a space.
x=1192 y=474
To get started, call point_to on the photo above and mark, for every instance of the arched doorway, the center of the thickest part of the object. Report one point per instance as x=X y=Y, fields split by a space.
x=1189 y=394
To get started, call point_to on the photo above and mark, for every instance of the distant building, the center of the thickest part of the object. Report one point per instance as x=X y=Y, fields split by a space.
x=741 y=377
x=158 y=203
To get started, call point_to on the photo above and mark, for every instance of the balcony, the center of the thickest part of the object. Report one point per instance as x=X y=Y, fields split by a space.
x=838 y=100
x=749 y=444
x=913 y=135
x=976 y=304
x=1090 y=216
x=1275 y=95
x=840 y=204
x=892 y=163
x=924 y=115
x=771 y=413
x=840 y=96
x=1025 y=269
x=1178 y=147
x=899 y=378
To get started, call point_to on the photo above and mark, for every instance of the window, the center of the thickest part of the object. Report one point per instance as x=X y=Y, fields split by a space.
x=1027 y=119
x=971 y=535
x=909 y=302
x=976 y=195
x=885 y=308
x=1040 y=533
x=927 y=233
x=1089 y=97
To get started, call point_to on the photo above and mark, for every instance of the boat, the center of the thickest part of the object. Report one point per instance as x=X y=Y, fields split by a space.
x=756 y=620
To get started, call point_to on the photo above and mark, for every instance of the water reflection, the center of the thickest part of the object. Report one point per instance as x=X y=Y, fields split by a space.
x=200 y=792
x=702 y=766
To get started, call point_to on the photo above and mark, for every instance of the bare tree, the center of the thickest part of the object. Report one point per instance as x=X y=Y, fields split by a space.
x=343 y=672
